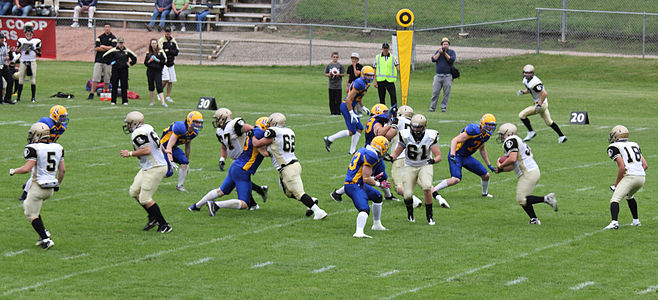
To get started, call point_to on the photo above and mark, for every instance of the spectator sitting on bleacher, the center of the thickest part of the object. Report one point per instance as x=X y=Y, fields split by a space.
x=22 y=7
x=179 y=11
x=201 y=16
x=162 y=9
x=84 y=5
x=5 y=6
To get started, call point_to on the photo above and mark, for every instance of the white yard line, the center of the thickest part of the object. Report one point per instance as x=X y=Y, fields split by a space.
x=324 y=269
x=75 y=256
x=267 y=263
x=516 y=281
x=650 y=289
x=582 y=285
x=389 y=273
x=585 y=189
x=14 y=253
x=199 y=261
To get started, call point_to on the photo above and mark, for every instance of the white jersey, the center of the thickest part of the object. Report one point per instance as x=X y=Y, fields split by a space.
x=145 y=136
x=232 y=137
x=630 y=154
x=403 y=123
x=28 y=54
x=282 y=149
x=524 y=159
x=535 y=86
x=417 y=153
x=47 y=157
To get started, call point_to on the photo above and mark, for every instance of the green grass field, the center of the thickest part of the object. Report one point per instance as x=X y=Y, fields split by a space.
x=480 y=248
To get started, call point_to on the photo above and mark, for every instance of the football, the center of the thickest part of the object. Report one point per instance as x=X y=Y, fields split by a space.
x=333 y=71
x=502 y=159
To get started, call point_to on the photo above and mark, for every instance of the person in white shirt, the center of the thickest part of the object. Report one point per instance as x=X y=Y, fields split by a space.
x=30 y=48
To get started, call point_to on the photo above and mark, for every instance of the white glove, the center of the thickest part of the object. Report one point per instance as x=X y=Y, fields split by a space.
x=613 y=187
x=537 y=108
x=519 y=93
x=355 y=118
x=11 y=172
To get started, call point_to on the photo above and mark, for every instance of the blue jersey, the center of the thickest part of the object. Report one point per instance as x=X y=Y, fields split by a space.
x=250 y=158
x=56 y=130
x=183 y=136
x=476 y=139
x=370 y=126
x=362 y=157
x=361 y=88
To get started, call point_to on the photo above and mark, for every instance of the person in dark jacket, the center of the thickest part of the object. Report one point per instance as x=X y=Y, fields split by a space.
x=154 y=61
x=120 y=58
x=169 y=45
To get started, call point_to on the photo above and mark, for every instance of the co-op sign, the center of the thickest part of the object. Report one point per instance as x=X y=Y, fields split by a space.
x=44 y=29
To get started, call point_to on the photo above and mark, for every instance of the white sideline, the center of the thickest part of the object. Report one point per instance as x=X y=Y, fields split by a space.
x=75 y=256
x=388 y=273
x=516 y=281
x=14 y=253
x=582 y=285
x=267 y=263
x=199 y=261
x=160 y=253
x=585 y=189
x=648 y=290
x=320 y=270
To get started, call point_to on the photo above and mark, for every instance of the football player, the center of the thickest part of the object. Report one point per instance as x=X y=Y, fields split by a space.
x=146 y=145
x=472 y=138
x=45 y=161
x=421 y=148
x=631 y=174
x=280 y=143
x=520 y=159
x=231 y=134
x=239 y=175
x=56 y=122
x=181 y=133
x=30 y=48
x=355 y=93
x=359 y=184
x=535 y=87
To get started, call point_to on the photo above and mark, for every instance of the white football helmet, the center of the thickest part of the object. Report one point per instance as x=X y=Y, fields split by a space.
x=38 y=132
x=277 y=120
x=506 y=130
x=222 y=116
x=133 y=120
x=528 y=71
x=618 y=133
x=418 y=125
x=405 y=111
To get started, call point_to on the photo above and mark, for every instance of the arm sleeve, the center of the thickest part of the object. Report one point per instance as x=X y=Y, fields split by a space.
x=140 y=141
x=510 y=145
x=238 y=127
x=269 y=133
x=538 y=88
x=613 y=152
x=30 y=153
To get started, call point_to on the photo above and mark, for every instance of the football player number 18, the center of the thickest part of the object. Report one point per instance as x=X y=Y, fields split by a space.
x=579 y=117
x=207 y=103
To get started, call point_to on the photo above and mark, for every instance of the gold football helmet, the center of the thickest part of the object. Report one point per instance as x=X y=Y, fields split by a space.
x=368 y=74
x=506 y=130
x=378 y=109
x=195 y=119
x=418 y=125
x=222 y=116
x=618 y=133
x=59 y=114
x=133 y=120
x=405 y=111
x=38 y=132
x=263 y=123
x=277 y=120
x=488 y=123
x=380 y=144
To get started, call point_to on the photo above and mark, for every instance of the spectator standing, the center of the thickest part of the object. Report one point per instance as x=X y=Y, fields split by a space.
x=154 y=61
x=120 y=58
x=386 y=71
x=5 y=6
x=170 y=47
x=162 y=9
x=84 y=5
x=104 y=42
x=5 y=70
x=22 y=7
x=444 y=59
x=179 y=11
x=335 y=71
x=353 y=70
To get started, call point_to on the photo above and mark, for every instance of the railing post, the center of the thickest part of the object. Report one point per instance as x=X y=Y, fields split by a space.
x=310 y=45
x=538 y=29
x=199 y=26
x=461 y=29
x=273 y=11
x=365 y=15
x=644 y=32
x=564 y=21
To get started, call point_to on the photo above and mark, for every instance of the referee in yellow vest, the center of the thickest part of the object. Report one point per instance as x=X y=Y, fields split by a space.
x=386 y=71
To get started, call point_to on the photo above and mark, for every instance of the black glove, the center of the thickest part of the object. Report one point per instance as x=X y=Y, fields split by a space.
x=221 y=165
x=387 y=157
x=56 y=189
x=431 y=161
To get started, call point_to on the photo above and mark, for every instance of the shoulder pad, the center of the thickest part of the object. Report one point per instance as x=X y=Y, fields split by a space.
x=269 y=133
x=30 y=152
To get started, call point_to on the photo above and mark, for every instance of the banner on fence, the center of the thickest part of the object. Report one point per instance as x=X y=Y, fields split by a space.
x=44 y=29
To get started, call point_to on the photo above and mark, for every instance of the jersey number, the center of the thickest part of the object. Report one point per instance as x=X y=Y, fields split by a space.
x=413 y=153
x=51 y=161
x=227 y=138
x=288 y=143
x=636 y=151
x=355 y=160
x=155 y=138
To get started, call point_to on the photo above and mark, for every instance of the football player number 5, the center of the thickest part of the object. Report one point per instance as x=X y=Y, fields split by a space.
x=51 y=162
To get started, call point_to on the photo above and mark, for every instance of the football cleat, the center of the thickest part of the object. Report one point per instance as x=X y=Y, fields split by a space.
x=534 y=221
x=430 y=221
x=254 y=207
x=612 y=225
x=309 y=211
x=562 y=139
x=361 y=235
x=550 y=200
x=193 y=207
x=378 y=226
x=150 y=224
x=47 y=243
x=336 y=196
x=40 y=241
x=164 y=228
x=264 y=194
x=487 y=195
x=320 y=215
x=169 y=99
x=442 y=201
x=211 y=208
x=411 y=218
x=392 y=198
x=327 y=144
x=181 y=188
x=530 y=136
x=636 y=223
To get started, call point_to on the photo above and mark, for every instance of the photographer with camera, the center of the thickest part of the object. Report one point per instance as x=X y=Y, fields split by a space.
x=444 y=59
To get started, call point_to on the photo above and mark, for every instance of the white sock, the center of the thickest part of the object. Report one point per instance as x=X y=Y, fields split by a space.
x=341 y=190
x=355 y=140
x=233 y=203
x=442 y=185
x=182 y=172
x=376 y=212
x=339 y=135
x=485 y=187
x=208 y=197
x=361 y=220
x=387 y=192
